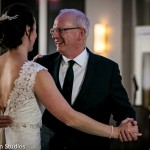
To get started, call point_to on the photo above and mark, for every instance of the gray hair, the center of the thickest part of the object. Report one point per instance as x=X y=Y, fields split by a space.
x=80 y=20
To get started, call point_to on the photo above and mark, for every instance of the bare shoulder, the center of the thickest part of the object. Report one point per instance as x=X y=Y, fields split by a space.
x=43 y=77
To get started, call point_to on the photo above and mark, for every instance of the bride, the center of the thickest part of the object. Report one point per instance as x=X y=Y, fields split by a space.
x=24 y=84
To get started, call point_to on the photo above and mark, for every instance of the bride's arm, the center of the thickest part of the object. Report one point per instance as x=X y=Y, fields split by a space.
x=51 y=98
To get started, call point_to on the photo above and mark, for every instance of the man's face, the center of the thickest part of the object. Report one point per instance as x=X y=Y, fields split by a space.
x=65 y=34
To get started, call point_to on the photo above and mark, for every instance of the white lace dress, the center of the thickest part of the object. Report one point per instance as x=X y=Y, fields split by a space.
x=23 y=107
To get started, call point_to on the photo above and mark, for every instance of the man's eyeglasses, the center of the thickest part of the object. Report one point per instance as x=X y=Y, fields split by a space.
x=61 y=30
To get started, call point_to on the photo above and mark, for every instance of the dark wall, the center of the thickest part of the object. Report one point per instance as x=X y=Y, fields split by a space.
x=143 y=12
x=33 y=5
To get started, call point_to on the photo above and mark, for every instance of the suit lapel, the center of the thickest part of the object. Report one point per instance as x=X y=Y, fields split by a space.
x=89 y=75
x=55 y=73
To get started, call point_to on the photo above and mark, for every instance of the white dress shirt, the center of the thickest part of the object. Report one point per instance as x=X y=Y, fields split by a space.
x=79 y=69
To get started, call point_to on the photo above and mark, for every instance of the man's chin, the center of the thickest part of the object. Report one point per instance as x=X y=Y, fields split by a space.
x=59 y=50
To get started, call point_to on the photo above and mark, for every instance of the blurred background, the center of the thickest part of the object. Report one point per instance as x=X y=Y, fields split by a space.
x=126 y=37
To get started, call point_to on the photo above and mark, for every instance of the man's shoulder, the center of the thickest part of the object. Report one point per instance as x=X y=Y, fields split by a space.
x=52 y=56
x=46 y=59
x=102 y=59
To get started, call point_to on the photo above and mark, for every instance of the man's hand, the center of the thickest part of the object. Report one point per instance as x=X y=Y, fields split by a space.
x=37 y=56
x=128 y=130
x=5 y=121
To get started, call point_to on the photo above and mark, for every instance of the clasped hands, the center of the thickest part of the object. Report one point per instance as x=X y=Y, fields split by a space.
x=127 y=130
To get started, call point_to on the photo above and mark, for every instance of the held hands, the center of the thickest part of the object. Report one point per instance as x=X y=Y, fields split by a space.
x=127 y=130
x=5 y=121
x=131 y=133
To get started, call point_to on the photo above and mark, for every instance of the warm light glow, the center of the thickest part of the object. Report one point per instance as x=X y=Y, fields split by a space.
x=100 y=38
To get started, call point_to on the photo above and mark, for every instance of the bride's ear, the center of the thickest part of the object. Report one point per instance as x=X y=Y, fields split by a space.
x=27 y=30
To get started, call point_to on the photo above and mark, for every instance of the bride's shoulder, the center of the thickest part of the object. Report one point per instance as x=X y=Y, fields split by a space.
x=35 y=66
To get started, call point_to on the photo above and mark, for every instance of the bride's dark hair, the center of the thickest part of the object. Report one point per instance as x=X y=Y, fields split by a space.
x=13 y=24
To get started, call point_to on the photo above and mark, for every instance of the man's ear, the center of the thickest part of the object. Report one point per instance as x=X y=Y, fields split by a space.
x=81 y=34
x=28 y=30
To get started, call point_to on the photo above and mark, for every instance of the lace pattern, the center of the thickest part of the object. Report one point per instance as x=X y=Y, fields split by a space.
x=24 y=109
x=23 y=88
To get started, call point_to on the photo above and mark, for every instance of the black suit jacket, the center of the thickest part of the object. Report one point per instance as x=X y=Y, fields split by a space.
x=101 y=95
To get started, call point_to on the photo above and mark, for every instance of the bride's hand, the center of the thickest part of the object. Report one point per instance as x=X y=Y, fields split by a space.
x=128 y=130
